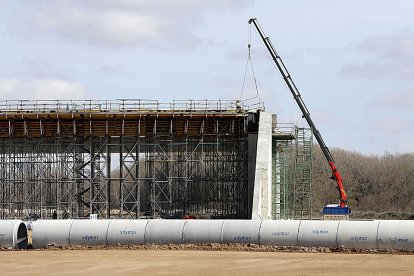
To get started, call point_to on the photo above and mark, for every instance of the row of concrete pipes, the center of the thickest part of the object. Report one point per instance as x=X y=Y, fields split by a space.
x=370 y=234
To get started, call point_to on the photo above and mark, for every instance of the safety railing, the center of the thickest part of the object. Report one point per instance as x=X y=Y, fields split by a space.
x=124 y=105
x=285 y=129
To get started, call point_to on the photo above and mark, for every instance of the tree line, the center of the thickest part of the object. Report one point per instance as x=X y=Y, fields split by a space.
x=374 y=183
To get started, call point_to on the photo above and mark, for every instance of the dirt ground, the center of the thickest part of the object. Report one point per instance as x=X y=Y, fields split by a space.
x=199 y=262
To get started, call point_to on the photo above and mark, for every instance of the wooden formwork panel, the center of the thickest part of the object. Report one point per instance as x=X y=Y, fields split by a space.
x=101 y=125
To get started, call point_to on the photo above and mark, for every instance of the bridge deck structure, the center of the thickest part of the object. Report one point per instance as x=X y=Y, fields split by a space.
x=123 y=158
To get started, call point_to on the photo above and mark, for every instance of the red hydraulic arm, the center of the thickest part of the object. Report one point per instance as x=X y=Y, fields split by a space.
x=298 y=98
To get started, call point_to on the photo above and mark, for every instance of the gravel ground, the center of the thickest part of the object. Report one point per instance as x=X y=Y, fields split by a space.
x=225 y=247
x=208 y=259
x=205 y=259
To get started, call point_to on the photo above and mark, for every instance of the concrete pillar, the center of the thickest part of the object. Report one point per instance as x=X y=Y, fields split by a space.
x=262 y=192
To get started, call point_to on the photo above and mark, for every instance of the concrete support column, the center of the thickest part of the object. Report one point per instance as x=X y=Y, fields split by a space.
x=262 y=191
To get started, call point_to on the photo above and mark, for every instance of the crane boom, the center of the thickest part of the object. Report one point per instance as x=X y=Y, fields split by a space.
x=305 y=112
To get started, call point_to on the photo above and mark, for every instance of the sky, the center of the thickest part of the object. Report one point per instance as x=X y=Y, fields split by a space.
x=352 y=61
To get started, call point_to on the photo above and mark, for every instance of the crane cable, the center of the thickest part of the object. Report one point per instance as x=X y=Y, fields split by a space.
x=249 y=62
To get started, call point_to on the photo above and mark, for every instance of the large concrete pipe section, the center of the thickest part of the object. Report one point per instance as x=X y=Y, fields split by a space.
x=89 y=232
x=202 y=231
x=241 y=231
x=396 y=234
x=318 y=233
x=161 y=231
x=51 y=232
x=13 y=234
x=348 y=234
x=279 y=232
x=126 y=231
x=358 y=234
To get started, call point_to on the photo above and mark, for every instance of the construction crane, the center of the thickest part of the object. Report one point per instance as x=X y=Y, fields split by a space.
x=341 y=208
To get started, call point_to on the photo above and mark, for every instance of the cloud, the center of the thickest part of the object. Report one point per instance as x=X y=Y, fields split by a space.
x=400 y=99
x=389 y=126
x=232 y=88
x=390 y=57
x=41 y=68
x=111 y=69
x=392 y=127
x=123 y=23
x=41 y=89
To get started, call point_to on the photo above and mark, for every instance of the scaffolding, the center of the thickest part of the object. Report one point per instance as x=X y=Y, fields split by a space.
x=125 y=158
x=292 y=172
x=302 y=190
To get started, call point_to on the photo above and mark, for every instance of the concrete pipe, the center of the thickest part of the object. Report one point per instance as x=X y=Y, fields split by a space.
x=349 y=234
x=51 y=232
x=318 y=233
x=89 y=232
x=202 y=231
x=279 y=232
x=396 y=234
x=358 y=234
x=13 y=234
x=241 y=231
x=126 y=231
x=161 y=231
